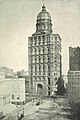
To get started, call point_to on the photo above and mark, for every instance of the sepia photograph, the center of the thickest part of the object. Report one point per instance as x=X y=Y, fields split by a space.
x=39 y=59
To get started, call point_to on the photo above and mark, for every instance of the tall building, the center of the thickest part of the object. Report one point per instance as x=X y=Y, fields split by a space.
x=44 y=56
x=74 y=58
x=74 y=75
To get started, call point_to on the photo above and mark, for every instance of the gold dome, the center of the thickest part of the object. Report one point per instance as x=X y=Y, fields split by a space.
x=43 y=14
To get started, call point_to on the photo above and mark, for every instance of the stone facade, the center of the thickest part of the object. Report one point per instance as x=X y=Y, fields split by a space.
x=44 y=56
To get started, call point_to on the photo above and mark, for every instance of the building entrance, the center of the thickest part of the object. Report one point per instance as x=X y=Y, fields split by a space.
x=40 y=90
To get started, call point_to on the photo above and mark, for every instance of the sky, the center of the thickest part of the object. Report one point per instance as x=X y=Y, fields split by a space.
x=18 y=22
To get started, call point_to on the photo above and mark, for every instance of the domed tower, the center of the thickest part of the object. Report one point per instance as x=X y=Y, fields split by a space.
x=44 y=24
x=44 y=56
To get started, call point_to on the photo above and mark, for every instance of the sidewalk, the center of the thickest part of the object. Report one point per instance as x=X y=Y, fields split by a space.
x=29 y=108
x=8 y=108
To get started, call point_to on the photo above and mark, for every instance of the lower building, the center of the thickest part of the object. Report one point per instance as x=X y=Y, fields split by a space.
x=73 y=86
x=16 y=87
x=7 y=71
x=4 y=99
x=11 y=90
x=24 y=74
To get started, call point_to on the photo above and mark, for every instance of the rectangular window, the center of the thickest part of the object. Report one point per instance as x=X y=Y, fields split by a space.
x=39 y=39
x=43 y=69
x=18 y=97
x=39 y=70
x=12 y=96
x=43 y=39
x=39 y=59
x=35 y=70
x=35 y=40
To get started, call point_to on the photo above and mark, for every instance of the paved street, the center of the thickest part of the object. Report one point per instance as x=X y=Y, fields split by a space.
x=46 y=111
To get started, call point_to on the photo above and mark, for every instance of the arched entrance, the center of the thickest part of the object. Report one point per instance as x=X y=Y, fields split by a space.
x=40 y=90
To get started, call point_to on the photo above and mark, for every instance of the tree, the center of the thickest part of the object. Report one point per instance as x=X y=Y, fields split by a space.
x=60 y=86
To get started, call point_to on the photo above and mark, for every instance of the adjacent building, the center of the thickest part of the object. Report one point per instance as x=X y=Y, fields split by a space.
x=12 y=90
x=44 y=56
x=74 y=86
x=24 y=74
x=9 y=73
x=74 y=58
x=4 y=94
x=74 y=75
x=16 y=87
x=6 y=70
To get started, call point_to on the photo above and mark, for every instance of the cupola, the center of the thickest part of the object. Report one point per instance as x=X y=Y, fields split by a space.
x=44 y=21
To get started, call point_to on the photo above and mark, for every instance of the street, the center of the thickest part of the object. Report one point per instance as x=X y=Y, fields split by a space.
x=47 y=111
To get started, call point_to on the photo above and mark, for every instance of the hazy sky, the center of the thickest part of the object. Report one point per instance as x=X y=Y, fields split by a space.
x=17 y=23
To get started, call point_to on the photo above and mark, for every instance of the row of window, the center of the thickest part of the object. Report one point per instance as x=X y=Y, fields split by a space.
x=39 y=73
x=73 y=88
x=44 y=50
x=74 y=83
x=44 y=73
x=48 y=57
x=43 y=67
x=41 y=40
x=46 y=60
x=39 y=78
x=43 y=26
x=74 y=73
x=47 y=73
x=74 y=77
x=74 y=80
x=18 y=97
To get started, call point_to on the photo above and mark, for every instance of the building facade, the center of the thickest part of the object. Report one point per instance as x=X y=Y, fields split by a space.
x=16 y=87
x=74 y=86
x=9 y=73
x=74 y=75
x=12 y=90
x=6 y=71
x=74 y=58
x=24 y=74
x=4 y=94
x=44 y=56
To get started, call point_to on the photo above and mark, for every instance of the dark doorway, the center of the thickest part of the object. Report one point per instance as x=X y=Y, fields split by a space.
x=40 y=90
